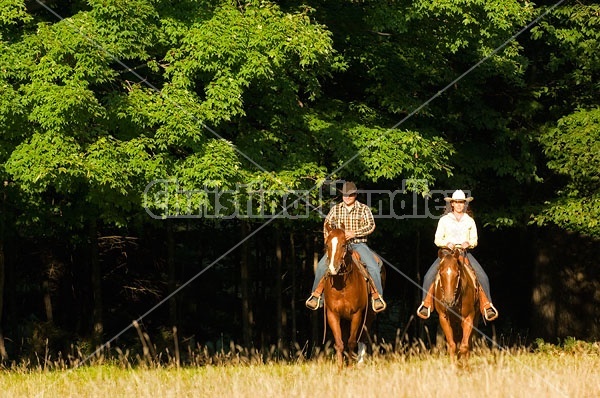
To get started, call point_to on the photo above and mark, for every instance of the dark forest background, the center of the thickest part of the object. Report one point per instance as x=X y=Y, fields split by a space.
x=119 y=120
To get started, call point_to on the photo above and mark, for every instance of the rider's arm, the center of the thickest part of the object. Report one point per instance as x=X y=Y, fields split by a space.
x=441 y=240
x=471 y=234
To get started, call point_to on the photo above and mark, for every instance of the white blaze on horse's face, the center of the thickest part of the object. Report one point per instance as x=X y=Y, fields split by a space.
x=334 y=246
x=449 y=279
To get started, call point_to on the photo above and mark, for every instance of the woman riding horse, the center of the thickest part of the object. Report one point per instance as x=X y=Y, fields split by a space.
x=457 y=229
x=455 y=301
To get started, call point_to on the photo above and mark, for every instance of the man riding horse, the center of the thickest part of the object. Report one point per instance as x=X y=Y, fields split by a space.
x=358 y=223
x=457 y=229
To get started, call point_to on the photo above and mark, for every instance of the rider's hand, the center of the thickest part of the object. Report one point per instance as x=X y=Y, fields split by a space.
x=465 y=245
x=349 y=234
x=450 y=246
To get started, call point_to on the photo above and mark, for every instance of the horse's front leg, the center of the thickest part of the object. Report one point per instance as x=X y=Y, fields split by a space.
x=447 y=328
x=355 y=327
x=467 y=328
x=334 y=322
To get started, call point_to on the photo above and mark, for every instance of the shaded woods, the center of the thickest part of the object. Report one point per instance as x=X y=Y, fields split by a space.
x=543 y=281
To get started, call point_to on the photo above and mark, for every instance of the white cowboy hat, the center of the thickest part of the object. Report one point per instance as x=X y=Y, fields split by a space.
x=457 y=196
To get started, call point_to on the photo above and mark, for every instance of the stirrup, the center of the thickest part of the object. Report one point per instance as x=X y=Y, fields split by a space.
x=311 y=299
x=380 y=299
x=423 y=312
x=492 y=316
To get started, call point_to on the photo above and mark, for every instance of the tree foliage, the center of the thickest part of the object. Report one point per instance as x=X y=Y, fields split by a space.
x=111 y=111
x=573 y=150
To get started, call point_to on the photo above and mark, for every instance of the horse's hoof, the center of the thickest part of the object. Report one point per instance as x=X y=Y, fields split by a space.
x=362 y=353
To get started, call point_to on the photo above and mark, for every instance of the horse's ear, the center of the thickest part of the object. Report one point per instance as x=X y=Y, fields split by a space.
x=441 y=253
x=328 y=229
x=456 y=253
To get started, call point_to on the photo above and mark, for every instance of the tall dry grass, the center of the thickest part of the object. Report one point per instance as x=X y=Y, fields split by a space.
x=571 y=370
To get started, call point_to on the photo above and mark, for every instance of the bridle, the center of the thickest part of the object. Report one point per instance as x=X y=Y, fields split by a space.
x=458 y=276
x=348 y=267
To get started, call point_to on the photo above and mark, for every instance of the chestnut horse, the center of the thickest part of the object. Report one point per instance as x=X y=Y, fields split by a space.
x=456 y=301
x=346 y=296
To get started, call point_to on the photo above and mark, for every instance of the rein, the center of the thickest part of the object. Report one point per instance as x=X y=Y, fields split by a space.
x=344 y=265
x=347 y=268
x=458 y=279
x=464 y=266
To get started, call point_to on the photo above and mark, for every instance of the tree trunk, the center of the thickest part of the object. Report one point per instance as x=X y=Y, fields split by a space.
x=544 y=292
x=171 y=273
x=294 y=288
x=244 y=286
x=315 y=260
x=47 y=300
x=418 y=331
x=280 y=318
x=96 y=281
x=565 y=286
x=3 y=353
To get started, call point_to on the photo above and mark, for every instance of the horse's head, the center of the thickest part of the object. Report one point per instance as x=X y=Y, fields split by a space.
x=449 y=274
x=336 y=249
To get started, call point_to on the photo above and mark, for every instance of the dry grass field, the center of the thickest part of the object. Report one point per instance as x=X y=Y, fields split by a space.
x=548 y=371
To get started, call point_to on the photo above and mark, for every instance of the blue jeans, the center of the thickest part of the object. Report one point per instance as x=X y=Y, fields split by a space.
x=367 y=257
x=482 y=278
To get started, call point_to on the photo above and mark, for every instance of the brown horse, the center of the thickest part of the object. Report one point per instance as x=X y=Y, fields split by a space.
x=456 y=301
x=346 y=296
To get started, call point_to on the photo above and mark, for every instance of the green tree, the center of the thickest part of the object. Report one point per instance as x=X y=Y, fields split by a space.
x=573 y=150
x=123 y=107
x=565 y=75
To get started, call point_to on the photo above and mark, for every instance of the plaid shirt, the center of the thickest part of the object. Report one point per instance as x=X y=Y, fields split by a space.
x=358 y=218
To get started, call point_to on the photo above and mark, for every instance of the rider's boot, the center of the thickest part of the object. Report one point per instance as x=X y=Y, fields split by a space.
x=488 y=310
x=315 y=301
x=377 y=302
x=426 y=308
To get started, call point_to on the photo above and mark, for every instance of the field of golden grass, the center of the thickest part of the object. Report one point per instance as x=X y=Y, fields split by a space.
x=549 y=372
